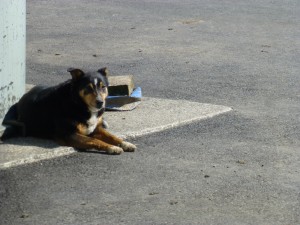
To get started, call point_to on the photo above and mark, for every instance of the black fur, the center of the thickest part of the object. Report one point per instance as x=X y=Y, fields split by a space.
x=52 y=112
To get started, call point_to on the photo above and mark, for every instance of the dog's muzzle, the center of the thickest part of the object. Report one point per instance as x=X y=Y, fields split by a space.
x=99 y=103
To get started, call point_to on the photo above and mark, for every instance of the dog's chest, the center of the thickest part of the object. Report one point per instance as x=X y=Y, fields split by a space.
x=92 y=123
x=89 y=126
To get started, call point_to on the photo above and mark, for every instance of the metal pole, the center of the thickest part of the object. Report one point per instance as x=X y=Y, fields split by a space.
x=12 y=53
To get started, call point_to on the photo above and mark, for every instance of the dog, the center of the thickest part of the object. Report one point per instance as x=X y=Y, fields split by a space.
x=70 y=113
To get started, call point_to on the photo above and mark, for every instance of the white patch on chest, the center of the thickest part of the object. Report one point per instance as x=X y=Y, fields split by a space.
x=92 y=123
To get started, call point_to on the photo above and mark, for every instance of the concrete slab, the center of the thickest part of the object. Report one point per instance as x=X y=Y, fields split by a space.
x=152 y=115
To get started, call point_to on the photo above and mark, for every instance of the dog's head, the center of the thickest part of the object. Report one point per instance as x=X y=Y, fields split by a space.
x=91 y=87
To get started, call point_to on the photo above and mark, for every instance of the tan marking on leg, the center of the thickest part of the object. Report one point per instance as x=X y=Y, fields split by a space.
x=103 y=135
x=84 y=142
x=81 y=128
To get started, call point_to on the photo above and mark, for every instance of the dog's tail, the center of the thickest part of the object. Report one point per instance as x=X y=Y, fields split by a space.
x=13 y=128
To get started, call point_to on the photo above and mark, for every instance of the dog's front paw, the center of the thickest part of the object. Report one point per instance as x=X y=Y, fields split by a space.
x=114 y=150
x=127 y=146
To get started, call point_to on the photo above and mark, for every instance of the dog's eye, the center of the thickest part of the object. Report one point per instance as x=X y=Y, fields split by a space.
x=88 y=89
x=102 y=86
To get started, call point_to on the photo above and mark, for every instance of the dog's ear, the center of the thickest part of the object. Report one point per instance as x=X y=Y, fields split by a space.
x=104 y=71
x=76 y=73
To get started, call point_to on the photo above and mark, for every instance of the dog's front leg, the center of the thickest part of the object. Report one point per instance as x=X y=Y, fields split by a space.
x=103 y=135
x=84 y=142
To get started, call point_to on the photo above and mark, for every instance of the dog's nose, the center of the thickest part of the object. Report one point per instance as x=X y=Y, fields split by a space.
x=99 y=104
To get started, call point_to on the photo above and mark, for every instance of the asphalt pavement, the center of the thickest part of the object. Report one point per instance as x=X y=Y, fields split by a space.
x=236 y=168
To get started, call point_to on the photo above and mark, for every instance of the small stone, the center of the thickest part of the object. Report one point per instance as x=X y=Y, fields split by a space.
x=24 y=215
x=173 y=202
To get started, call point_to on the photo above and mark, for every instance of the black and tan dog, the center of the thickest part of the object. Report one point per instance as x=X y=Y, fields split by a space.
x=69 y=113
